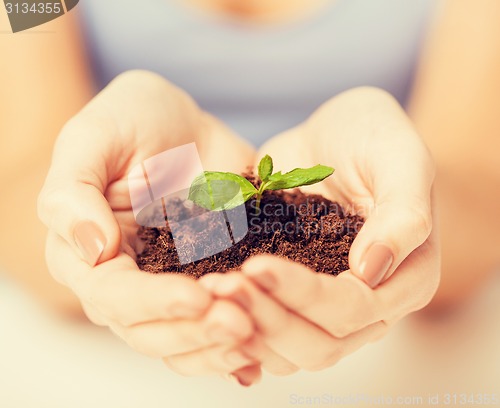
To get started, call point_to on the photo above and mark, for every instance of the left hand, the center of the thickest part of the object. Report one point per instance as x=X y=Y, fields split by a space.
x=383 y=169
x=92 y=237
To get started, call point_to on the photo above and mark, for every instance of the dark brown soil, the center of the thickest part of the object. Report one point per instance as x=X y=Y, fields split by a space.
x=305 y=228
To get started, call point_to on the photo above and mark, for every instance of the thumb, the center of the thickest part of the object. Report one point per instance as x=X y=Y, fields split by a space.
x=399 y=222
x=80 y=214
x=72 y=201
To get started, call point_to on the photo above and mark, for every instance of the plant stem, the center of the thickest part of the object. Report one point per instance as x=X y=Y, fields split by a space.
x=258 y=197
x=257 y=203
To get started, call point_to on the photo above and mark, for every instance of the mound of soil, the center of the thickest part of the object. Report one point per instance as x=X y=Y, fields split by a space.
x=305 y=228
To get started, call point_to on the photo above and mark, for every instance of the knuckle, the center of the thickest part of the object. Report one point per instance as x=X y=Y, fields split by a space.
x=222 y=312
x=236 y=278
x=425 y=298
x=359 y=309
x=47 y=203
x=147 y=83
x=419 y=220
x=424 y=222
x=361 y=97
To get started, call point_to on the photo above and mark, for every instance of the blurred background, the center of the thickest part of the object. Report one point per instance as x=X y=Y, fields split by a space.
x=262 y=67
x=49 y=362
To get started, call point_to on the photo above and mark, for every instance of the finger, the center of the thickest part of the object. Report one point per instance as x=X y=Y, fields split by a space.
x=214 y=360
x=95 y=149
x=401 y=219
x=247 y=376
x=224 y=324
x=272 y=362
x=351 y=304
x=286 y=333
x=269 y=360
x=219 y=359
x=392 y=169
x=72 y=201
x=414 y=284
x=122 y=292
x=276 y=364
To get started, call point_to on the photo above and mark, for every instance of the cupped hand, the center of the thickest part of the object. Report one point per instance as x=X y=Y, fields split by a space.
x=91 y=242
x=383 y=172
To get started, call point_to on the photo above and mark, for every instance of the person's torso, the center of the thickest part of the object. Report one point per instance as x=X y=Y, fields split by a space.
x=260 y=80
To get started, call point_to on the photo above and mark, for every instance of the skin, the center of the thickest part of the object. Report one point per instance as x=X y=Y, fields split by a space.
x=62 y=84
x=460 y=65
x=159 y=316
x=444 y=128
x=261 y=11
x=395 y=197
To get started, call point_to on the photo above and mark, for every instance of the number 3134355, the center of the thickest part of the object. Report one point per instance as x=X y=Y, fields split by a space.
x=38 y=8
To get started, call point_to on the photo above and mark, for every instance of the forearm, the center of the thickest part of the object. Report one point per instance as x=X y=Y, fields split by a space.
x=39 y=94
x=22 y=239
x=22 y=236
x=455 y=108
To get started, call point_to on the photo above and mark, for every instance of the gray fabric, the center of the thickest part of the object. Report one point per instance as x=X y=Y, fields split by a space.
x=260 y=80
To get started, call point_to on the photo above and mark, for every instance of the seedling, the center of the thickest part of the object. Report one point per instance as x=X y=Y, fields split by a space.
x=219 y=191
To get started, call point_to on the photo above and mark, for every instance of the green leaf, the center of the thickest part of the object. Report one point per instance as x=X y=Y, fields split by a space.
x=218 y=191
x=298 y=177
x=265 y=167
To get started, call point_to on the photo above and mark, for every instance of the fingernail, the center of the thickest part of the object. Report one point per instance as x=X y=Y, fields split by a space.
x=237 y=359
x=231 y=377
x=90 y=241
x=243 y=380
x=183 y=311
x=237 y=379
x=219 y=334
x=265 y=280
x=375 y=264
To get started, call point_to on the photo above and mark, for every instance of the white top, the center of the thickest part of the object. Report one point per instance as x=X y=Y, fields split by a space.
x=260 y=80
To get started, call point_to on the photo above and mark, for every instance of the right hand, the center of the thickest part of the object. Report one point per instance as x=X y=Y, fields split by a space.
x=90 y=248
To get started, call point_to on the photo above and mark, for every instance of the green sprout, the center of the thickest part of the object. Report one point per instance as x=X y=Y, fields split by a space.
x=219 y=191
